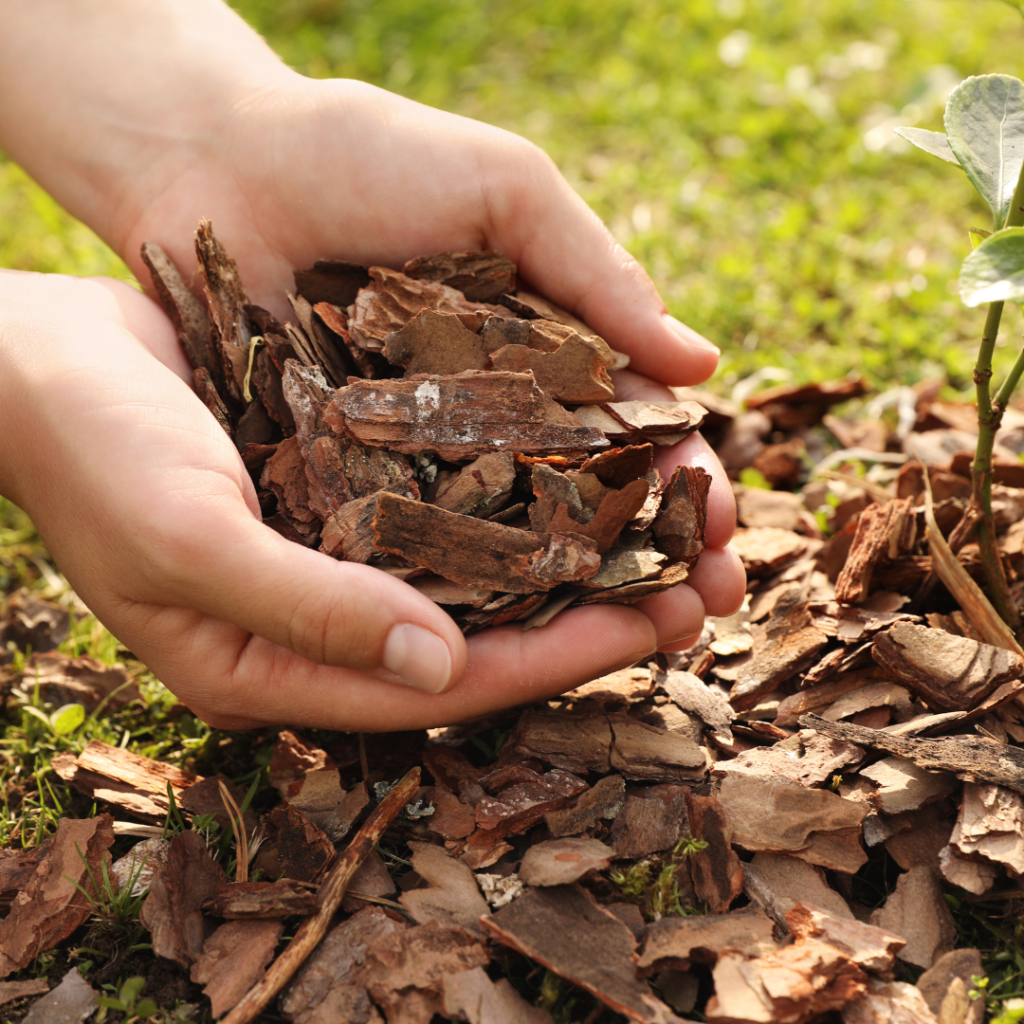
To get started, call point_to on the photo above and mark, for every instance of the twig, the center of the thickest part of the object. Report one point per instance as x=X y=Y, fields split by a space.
x=329 y=898
x=971 y=597
x=238 y=827
x=364 y=761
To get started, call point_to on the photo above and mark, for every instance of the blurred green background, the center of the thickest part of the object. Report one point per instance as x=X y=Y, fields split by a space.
x=741 y=149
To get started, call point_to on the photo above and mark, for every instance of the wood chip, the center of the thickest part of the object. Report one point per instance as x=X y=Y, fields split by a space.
x=991 y=825
x=51 y=906
x=773 y=814
x=186 y=311
x=233 y=960
x=889 y=1002
x=173 y=909
x=644 y=421
x=433 y=342
x=604 y=800
x=62 y=680
x=869 y=947
x=575 y=373
x=461 y=416
x=672 y=941
x=480 y=553
x=135 y=784
x=649 y=822
x=563 y=861
x=795 y=984
x=472 y=996
x=692 y=694
x=480 y=276
x=971 y=758
x=950 y=672
x=598 y=959
x=883 y=532
x=11 y=990
x=716 y=870
x=903 y=786
x=778 y=883
x=452 y=896
x=946 y=986
x=808 y=758
x=260 y=900
x=766 y=550
x=917 y=911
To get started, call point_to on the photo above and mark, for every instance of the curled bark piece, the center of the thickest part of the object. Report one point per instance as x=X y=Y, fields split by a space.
x=185 y=310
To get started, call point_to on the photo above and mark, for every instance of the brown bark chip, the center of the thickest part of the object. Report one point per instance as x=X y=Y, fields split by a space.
x=775 y=814
x=679 y=528
x=294 y=846
x=716 y=870
x=136 y=784
x=11 y=990
x=50 y=906
x=461 y=416
x=991 y=825
x=917 y=911
x=971 y=758
x=472 y=996
x=575 y=373
x=233 y=960
x=889 y=1002
x=563 y=861
x=946 y=984
x=404 y=971
x=186 y=311
x=599 y=958
x=793 y=985
x=173 y=909
x=86 y=681
x=883 y=532
x=452 y=896
x=950 y=672
x=778 y=883
x=482 y=276
x=867 y=946
x=480 y=553
x=604 y=800
x=260 y=900
x=331 y=974
x=435 y=343
x=673 y=940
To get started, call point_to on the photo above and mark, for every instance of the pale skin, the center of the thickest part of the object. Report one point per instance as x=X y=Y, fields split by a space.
x=141 y=119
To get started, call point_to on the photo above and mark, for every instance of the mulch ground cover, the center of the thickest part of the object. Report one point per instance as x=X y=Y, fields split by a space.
x=771 y=827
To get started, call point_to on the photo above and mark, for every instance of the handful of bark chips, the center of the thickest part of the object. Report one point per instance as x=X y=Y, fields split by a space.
x=445 y=428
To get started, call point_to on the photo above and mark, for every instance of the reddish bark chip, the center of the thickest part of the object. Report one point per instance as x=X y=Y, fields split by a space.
x=479 y=553
x=51 y=905
x=461 y=416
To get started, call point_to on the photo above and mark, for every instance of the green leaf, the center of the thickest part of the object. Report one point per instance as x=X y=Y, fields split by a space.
x=985 y=130
x=931 y=142
x=994 y=272
x=68 y=718
x=36 y=713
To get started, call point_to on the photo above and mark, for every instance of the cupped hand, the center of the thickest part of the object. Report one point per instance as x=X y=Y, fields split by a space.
x=149 y=512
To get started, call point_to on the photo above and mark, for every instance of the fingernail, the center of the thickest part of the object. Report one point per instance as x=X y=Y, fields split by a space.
x=689 y=335
x=421 y=659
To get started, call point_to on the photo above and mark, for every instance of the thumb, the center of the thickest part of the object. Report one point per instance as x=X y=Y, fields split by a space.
x=330 y=612
x=561 y=244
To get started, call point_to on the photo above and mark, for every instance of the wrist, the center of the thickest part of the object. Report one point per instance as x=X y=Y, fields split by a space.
x=99 y=101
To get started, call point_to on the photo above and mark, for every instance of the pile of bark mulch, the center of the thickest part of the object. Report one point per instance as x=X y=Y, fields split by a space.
x=693 y=838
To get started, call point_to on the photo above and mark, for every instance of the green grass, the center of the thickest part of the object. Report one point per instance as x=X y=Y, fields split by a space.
x=740 y=149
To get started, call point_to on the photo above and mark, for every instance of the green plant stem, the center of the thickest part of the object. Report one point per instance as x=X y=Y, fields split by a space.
x=990 y=418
